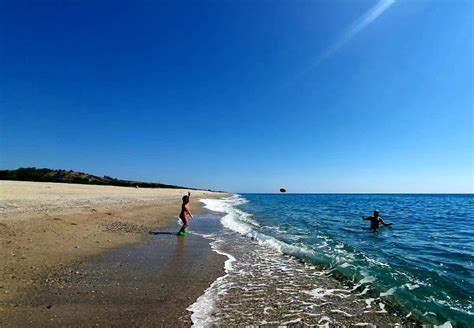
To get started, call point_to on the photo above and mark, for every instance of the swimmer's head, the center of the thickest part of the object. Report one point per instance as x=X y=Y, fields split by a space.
x=185 y=199
x=376 y=213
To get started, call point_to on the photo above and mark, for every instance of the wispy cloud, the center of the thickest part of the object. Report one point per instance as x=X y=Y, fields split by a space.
x=356 y=27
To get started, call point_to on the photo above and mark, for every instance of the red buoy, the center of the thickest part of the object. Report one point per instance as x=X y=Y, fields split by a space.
x=282 y=190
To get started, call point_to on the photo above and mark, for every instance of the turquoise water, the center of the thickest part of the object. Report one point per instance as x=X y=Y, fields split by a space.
x=424 y=262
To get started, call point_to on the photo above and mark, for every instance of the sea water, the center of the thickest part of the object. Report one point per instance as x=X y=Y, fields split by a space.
x=310 y=259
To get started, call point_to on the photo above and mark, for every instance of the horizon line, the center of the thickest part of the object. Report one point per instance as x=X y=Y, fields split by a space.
x=356 y=193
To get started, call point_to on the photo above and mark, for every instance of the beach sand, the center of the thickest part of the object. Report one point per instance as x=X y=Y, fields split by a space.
x=63 y=260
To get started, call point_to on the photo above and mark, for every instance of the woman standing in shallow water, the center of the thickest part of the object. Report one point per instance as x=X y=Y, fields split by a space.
x=184 y=214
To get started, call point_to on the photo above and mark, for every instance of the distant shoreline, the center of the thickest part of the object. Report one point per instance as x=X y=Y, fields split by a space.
x=69 y=176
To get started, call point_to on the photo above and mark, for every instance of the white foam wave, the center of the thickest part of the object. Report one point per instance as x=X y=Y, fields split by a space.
x=291 y=322
x=342 y=312
x=382 y=308
x=366 y=280
x=412 y=286
x=388 y=292
x=369 y=301
x=242 y=223
x=364 y=324
x=204 y=306
x=320 y=293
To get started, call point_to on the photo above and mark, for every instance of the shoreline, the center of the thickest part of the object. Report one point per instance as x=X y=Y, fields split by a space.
x=49 y=229
x=264 y=285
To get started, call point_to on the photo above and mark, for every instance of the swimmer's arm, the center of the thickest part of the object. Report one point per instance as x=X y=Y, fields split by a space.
x=385 y=224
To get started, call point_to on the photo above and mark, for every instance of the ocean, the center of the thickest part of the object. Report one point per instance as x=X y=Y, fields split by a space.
x=310 y=259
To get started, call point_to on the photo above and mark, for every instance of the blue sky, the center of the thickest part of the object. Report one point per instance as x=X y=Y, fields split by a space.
x=245 y=96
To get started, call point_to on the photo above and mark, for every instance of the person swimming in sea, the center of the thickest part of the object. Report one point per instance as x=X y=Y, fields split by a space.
x=375 y=220
x=184 y=214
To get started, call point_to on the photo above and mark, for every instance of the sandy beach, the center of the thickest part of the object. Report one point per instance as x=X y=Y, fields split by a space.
x=52 y=234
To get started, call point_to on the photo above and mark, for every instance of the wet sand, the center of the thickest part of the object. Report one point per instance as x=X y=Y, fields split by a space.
x=51 y=232
x=149 y=284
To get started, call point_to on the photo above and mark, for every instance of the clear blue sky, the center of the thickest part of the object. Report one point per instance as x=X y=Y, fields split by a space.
x=245 y=96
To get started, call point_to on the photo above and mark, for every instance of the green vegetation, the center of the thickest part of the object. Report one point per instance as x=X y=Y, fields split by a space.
x=64 y=176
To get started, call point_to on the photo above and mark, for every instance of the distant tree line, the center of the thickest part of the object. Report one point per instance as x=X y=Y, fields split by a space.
x=70 y=176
